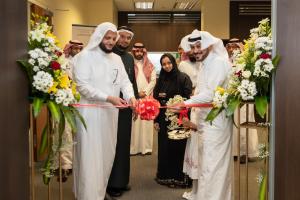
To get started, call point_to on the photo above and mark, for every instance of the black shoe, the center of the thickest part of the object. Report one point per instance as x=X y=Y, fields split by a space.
x=64 y=176
x=114 y=192
x=235 y=158
x=69 y=172
x=243 y=159
x=108 y=197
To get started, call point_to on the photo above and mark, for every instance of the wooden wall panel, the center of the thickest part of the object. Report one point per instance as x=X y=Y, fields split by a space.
x=161 y=37
x=158 y=36
x=14 y=115
x=287 y=138
x=240 y=25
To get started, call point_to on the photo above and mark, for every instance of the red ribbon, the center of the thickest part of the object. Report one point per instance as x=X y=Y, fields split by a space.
x=148 y=108
x=183 y=114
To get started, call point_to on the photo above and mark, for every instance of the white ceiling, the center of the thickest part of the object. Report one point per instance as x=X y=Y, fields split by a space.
x=159 y=5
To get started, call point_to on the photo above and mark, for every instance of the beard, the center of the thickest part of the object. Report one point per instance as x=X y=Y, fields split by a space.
x=103 y=48
x=122 y=47
x=192 y=59
x=138 y=57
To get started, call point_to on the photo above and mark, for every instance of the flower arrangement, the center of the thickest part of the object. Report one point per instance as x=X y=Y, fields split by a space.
x=170 y=115
x=51 y=86
x=176 y=130
x=250 y=76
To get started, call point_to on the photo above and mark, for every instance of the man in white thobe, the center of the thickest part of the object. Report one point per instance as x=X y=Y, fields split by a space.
x=100 y=76
x=215 y=164
x=189 y=65
x=191 y=157
x=142 y=130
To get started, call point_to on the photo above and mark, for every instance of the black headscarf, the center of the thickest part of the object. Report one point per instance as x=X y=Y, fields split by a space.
x=163 y=75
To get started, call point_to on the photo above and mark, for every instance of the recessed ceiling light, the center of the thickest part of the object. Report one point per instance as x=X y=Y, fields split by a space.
x=143 y=5
x=184 y=5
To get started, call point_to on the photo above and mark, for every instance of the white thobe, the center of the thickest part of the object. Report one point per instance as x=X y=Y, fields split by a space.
x=252 y=135
x=191 y=69
x=191 y=157
x=98 y=75
x=142 y=130
x=215 y=166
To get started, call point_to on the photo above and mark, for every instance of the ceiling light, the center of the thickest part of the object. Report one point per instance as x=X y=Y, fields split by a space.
x=179 y=14
x=184 y=5
x=143 y=5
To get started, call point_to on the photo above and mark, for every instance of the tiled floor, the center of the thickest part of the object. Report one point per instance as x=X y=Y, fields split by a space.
x=143 y=169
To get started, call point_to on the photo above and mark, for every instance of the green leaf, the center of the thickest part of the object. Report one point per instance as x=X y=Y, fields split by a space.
x=46 y=180
x=213 y=114
x=44 y=140
x=232 y=105
x=54 y=110
x=70 y=116
x=37 y=106
x=261 y=103
x=76 y=112
x=263 y=188
x=276 y=60
x=61 y=129
x=46 y=167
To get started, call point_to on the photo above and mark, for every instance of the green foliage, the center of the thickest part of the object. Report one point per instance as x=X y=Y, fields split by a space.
x=54 y=110
x=77 y=114
x=263 y=188
x=232 y=105
x=37 y=106
x=276 y=60
x=213 y=114
x=261 y=103
x=69 y=115
x=44 y=140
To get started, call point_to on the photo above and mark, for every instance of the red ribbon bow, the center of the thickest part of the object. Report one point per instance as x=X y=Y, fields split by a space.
x=147 y=108
x=183 y=114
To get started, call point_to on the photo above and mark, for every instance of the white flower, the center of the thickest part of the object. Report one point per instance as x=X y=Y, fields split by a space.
x=51 y=40
x=47 y=49
x=264 y=21
x=247 y=89
x=259 y=178
x=33 y=54
x=219 y=99
x=42 y=62
x=246 y=74
x=37 y=35
x=31 y=61
x=36 y=68
x=64 y=96
x=240 y=67
x=263 y=43
x=42 y=81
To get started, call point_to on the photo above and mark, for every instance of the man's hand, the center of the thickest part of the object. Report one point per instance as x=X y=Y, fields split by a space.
x=176 y=108
x=142 y=94
x=132 y=103
x=117 y=101
x=188 y=124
